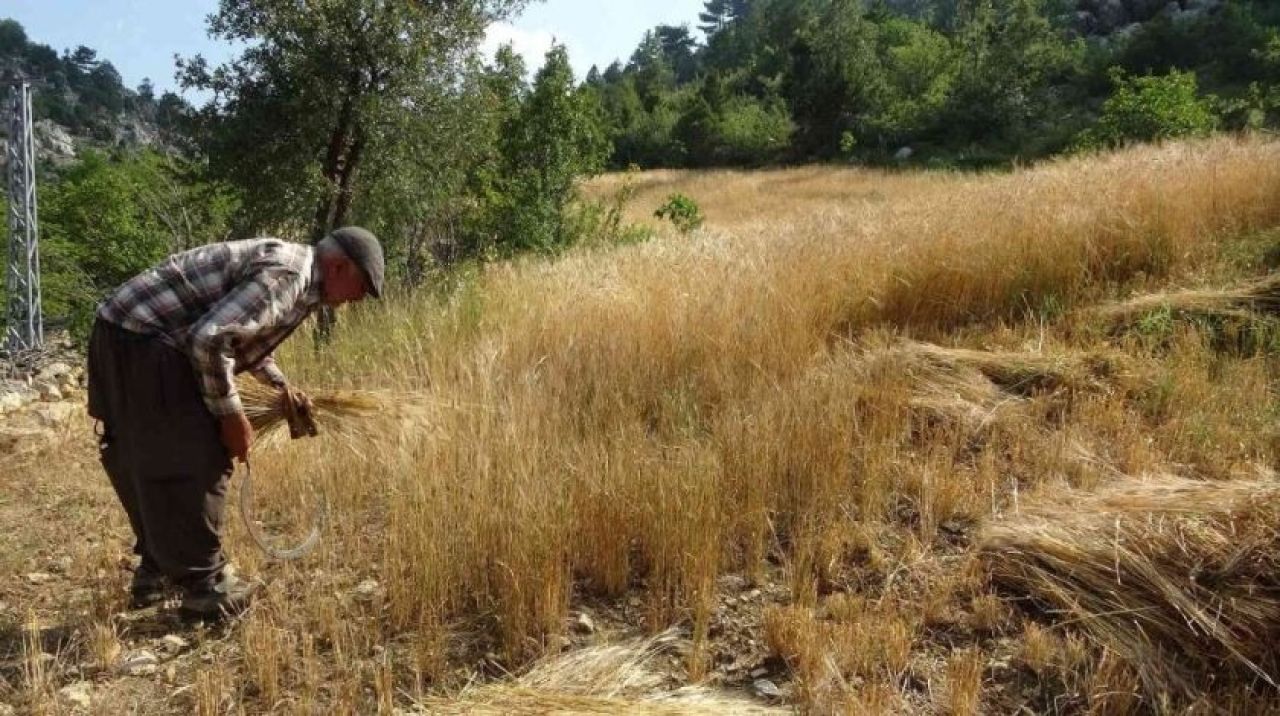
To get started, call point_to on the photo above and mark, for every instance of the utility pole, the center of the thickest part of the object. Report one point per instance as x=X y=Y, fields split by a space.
x=25 y=324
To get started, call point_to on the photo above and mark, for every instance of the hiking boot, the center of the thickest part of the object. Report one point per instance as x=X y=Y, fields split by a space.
x=228 y=597
x=148 y=588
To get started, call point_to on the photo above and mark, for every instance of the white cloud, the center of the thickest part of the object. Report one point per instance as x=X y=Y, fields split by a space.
x=532 y=45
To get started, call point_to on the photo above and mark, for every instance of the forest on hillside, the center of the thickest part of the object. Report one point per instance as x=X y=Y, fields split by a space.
x=390 y=116
x=959 y=82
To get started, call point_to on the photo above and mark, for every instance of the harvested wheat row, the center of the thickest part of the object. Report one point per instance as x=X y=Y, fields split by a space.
x=1242 y=302
x=1180 y=578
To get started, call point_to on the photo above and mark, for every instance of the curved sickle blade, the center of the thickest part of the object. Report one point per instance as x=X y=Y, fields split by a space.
x=246 y=513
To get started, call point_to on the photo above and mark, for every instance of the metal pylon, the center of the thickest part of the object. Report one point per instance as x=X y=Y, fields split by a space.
x=25 y=325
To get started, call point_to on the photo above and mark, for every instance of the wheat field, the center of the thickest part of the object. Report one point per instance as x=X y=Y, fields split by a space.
x=812 y=440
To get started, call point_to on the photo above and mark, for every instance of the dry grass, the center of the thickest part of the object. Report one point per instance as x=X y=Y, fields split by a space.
x=827 y=392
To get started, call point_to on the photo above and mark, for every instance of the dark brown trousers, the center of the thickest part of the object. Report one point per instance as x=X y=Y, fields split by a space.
x=160 y=446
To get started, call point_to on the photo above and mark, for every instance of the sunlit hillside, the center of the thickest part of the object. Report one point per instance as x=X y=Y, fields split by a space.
x=866 y=442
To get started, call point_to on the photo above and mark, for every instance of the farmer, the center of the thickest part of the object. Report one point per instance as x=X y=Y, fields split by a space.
x=162 y=357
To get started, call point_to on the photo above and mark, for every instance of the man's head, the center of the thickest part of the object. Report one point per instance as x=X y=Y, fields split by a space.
x=352 y=265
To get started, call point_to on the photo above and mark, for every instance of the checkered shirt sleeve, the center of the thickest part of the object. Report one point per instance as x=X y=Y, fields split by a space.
x=243 y=315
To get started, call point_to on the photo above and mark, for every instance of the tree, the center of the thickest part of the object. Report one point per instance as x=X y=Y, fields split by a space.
x=1011 y=58
x=13 y=38
x=557 y=137
x=652 y=70
x=322 y=90
x=719 y=14
x=678 y=47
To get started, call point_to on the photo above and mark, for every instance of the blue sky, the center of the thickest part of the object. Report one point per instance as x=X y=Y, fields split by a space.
x=140 y=37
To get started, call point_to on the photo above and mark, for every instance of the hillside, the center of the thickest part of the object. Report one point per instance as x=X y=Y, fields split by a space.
x=80 y=97
x=869 y=442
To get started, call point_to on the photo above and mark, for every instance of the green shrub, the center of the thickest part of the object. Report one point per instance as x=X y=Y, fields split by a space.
x=600 y=223
x=1144 y=109
x=682 y=211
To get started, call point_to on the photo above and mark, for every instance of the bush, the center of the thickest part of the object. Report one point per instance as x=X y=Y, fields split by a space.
x=682 y=211
x=601 y=223
x=1144 y=109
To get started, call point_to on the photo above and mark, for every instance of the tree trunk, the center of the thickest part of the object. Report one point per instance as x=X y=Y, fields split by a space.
x=337 y=177
x=333 y=160
x=350 y=165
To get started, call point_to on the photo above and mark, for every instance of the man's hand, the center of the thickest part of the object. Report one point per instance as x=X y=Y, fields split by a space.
x=237 y=435
x=298 y=413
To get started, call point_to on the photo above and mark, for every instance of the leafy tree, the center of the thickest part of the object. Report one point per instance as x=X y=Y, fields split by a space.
x=557 y=137
x=447 y=209
x=322 y=90
x=1011 y=58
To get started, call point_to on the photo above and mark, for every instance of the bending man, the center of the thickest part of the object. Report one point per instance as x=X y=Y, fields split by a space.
x=162 y=358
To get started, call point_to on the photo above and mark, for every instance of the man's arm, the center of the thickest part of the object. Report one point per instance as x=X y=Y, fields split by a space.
x=268 y=372
x=242 y=315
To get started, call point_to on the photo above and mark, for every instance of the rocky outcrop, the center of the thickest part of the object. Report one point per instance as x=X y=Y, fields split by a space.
x=53 y=142
x=1106 y=17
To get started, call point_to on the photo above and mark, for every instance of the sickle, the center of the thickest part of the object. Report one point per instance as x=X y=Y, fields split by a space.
x=303 y=548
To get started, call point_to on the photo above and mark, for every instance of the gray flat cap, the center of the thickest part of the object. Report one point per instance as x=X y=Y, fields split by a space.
x=363 y=248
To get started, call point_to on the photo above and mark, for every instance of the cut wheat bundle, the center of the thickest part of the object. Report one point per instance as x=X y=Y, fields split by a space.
x=1179 y=577
x=974 y=388
x=350 y=419
x=606 y=679
x=1239 y=303
x=338 y=411
x=1023 y=372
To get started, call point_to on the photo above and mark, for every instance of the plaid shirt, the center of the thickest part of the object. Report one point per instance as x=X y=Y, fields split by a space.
x=226 y=305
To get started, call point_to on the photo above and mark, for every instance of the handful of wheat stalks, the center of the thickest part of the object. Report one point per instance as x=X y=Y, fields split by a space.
x=343 y=414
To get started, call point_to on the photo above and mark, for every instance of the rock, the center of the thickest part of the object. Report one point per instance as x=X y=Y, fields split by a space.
x=173 y=642
x=732 y=583
x=139 y=663
x=367 y=589
x=759 y=673
x=39 y=577
x=51 y=415
x=903 y=154
x=79 y=694
x=765 y=688
x=583 y=624
x=48 y=391
x=11 y=401
x=53 y=371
